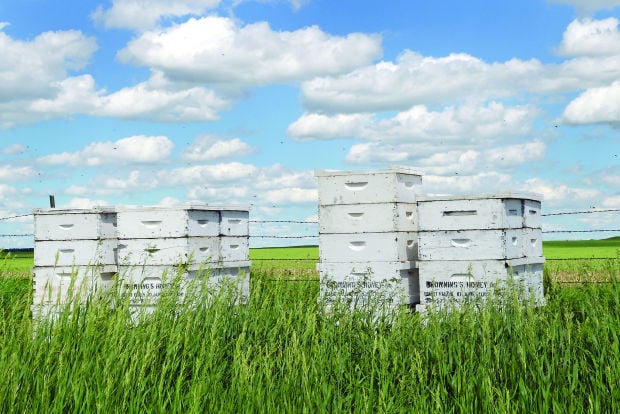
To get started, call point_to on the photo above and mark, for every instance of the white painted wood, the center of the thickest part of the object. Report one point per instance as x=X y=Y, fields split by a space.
x=445 y=281
x=368 y=247
x=368 y=218
x=389 y=282
x=74 y=224
x=234 y=248
x=532 y=214
x=532 y=242
x=160 y=222
x=168 y=251
x=478 y=212
x=397 y=184
x=56 y=285
x=471 y=244
x=74 y=252
x=234 y=223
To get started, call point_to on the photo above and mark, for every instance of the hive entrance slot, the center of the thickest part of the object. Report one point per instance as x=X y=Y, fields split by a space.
x=457 y=213
x=356 y=185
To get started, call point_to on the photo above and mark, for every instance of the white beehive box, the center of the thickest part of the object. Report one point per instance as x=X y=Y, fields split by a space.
x=396 y=184
x=234 y=248
x=368 y=218
x=234 y=221
x=148 y=222
x=74 y=224
x=168 y=251
x=368 y=247
x=393 y=283
x=56 y=285
x=445 y=280
x=75 y=252
x=479 y=212
x=532 y=213
x=471 y=244
x=145 y=284
x=532 y=242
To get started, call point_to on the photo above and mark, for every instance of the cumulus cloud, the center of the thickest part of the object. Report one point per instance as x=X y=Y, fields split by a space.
x=219 y=51
x=438 y=160
x=292 y=196
x=138 y=15
x=469 y=122
x=136 y=149
x=209 y=148
x=589 y=6
x=32 y=69
x=594 y=106
x=421 y=80
x=16 y=173
x=14 y=149
x=159 y=100
x=555 y=192
x=587 y=37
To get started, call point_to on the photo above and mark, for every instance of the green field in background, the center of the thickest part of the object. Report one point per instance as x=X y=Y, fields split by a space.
x=583 y=249
x=306 y=257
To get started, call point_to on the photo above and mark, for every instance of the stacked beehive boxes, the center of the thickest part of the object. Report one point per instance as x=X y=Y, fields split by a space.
x=74 y=254
x=157 y=244
x=471 y=245
x=368 y=235
x=144 y=247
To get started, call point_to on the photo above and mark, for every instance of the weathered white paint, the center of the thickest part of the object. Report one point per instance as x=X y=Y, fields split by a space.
x=55 y=285
x=163 y=222
x=368 y=247
x=396 y=184
x=393 y=283
x=368 y=218
x=75 y=252
x=74 y=224
x=532 y=242
x=479 y=212
x=234 y=222
x=471 y=244
x=234 y=248
x=449 y=280
x=168 y=251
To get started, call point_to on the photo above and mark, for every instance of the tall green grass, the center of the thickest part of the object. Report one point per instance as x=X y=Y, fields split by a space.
x=282 y=353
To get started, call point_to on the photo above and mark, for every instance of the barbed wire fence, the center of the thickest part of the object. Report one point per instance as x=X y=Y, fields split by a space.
x=312 y=239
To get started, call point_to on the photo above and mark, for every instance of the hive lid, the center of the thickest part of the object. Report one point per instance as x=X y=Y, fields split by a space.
x=187 y=206
x=94 y=210
x=394 y=169
x=499 y=195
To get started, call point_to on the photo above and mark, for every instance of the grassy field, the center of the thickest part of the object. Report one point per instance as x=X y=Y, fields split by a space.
x=607 y=248
x=282 y=353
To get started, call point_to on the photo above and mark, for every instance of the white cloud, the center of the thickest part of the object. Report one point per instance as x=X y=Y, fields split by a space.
x=587 y=37
x=160 y=100
x=206 y=175
x=436 y=159
x=555 y=192
x=79 y=202
x=589 y=6
x=292 y=196
x=14 y=149
x=209 y=148
x=136 y=149
x=15 y=173
x=32 y=69
x=140 y=15
x=468 y=123
x=415 y=79
x=218 y=51
x=612 y=202
x=595 y=105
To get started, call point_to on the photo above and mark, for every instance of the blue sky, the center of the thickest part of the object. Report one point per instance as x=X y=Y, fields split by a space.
x=239 y=101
